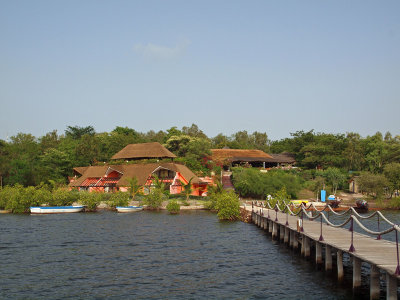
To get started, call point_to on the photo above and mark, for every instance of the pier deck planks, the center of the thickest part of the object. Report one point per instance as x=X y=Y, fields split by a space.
x=381 y=253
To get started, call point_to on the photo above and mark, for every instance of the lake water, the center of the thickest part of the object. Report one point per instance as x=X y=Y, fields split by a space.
x=154 y=255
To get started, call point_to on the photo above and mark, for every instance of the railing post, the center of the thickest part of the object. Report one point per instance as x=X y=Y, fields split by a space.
x=301 y=228
x=276 y=214
x=379 y=236
x=321 y=238
x=287 y=217
x=352 y=249
x=397 y=252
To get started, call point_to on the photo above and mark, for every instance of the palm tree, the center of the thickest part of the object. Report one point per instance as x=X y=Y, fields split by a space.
x=187 y=188
x=134 y=187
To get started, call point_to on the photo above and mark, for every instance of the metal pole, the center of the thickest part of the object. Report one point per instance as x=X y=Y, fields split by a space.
x=397 y=252
x=379 y=236
x=352 y=249
x=321 y=238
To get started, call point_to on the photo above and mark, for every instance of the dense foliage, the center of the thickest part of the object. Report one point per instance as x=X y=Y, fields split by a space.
x=173 y=206
x=252 y=183
x=325 y=159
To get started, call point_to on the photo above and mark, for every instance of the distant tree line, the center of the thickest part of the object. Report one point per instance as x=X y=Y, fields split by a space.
x=28 y=160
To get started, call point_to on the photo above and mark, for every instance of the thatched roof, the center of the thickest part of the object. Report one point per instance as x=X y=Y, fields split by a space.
x=80 y=170
x=140 y=171
x=142 y=151
x=284 y=157
x=232 y=155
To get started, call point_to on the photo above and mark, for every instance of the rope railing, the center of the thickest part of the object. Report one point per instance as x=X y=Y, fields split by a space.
x=353 y=217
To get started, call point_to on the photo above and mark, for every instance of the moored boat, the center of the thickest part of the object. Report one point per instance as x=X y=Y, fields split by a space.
x=56 y=209
x=361 y=206
x=126 y=209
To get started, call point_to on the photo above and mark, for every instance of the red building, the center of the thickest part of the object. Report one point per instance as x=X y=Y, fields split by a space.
x=110 y=178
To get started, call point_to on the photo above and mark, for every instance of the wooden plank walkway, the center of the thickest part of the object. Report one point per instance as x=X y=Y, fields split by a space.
x=380 y=254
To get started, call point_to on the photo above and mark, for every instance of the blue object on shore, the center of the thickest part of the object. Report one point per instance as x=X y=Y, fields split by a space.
x=323 y=195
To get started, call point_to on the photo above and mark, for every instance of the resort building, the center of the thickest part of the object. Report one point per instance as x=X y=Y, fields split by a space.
x=114 y=177
x=144 y=151
x=250 y=157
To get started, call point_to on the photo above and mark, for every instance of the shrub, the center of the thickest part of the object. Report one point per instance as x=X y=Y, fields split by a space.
x=19 y=199
x=5 y=196
x=255 y=184
x=63 y=197
x=173 y=207
x=118 y=199
x=41 y=196
x=228 y=205
x=90 y=200
x=155 y=198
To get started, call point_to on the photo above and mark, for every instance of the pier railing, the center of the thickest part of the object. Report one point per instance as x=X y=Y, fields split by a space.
x=302 y=211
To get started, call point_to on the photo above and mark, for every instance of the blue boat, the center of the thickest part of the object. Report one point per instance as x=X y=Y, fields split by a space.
x=56 y=209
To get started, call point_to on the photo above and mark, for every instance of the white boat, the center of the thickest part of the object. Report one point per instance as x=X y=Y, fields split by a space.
x=56 y=209
x=125 y=209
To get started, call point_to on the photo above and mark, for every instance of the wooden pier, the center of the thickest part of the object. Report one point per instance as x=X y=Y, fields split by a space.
x=300 y=233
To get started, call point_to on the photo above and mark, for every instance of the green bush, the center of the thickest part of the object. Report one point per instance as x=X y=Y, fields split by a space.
x=41 y=196
x=90 y=200
x=250 y=182
x=5 y=196
x=227 y=205
x=155 y=198
x=63 y=197
x=173 y=207
x=19 y=199
x=118 y=199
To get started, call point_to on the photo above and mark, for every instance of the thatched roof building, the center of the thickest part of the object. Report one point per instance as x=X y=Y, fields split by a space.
x=231 y=156
x=116 y=177
x=143 y=151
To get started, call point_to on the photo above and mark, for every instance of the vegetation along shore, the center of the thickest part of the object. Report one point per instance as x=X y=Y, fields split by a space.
x=41 y=171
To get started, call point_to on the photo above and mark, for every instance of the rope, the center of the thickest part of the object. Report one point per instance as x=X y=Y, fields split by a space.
x=354 y=215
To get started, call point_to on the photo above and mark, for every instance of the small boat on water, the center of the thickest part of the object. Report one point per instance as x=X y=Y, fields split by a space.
x=56 y=209
x=361 y=206
x=126 y=209
x=333 y=201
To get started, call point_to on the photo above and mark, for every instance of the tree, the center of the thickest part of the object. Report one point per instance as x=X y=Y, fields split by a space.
x=392 y=174
x=76 y=132
x=372 y=184
x=134 y=187
x=54 y=165
x=193 y=131
x=187 y=188
x=87 y=150
x=334 y=177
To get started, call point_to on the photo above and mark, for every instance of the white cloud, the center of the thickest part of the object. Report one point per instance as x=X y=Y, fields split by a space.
x=161 y=52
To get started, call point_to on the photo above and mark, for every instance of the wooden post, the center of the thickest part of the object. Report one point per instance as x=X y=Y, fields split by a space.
x=356 y=272
x=270 y=226
x=274 y=230
x=265 y=223
x=318 y=253
x=339 y=262
x=281 y=232
x=295 y=241
x=307 y=246
x=303 y=238
x=375 y=282
x=286 y=239
x=291 y=240
x=391 y=287
x=328 y=258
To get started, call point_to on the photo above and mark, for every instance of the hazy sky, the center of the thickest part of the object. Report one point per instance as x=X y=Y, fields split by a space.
x=269 y=66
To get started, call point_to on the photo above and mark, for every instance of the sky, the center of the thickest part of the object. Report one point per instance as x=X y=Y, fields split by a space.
x=268 y=66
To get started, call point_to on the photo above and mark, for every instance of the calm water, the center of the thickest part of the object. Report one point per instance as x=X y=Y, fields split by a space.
x=145 y=255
